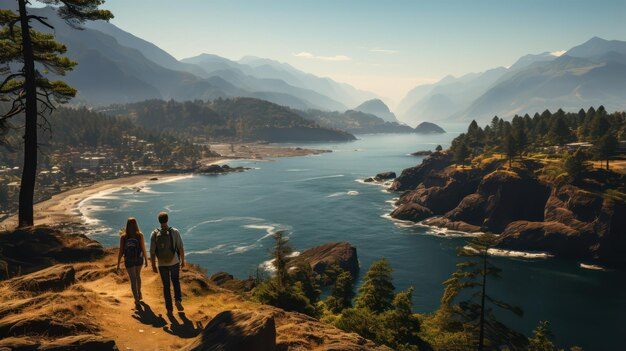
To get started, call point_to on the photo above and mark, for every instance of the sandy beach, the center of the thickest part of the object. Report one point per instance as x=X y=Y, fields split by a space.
x=63 y=208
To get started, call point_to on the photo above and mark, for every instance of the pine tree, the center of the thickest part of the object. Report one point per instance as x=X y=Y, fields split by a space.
x=542 y=338
x=605 y=147
x=460 y=153
x=598 y=127
x=438 y=148
x=575 y=165
x=281 y=251
x=376 y=293
x=28 y=89
x=471 y=275
x=342 y=293
x=559 y=132
x=401 y=322
x=509 y=147
x=304 y=274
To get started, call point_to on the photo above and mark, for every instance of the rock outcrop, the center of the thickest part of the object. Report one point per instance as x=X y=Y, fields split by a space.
x=237 y=331
x=385 y=176
x=323 y=256
x=530 y=212
x=227 y=281
x=31 y=249
x=55 y=278
x=217 y=169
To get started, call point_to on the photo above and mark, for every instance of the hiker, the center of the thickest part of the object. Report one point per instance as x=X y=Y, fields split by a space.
x=133 y=248
x=166 y=246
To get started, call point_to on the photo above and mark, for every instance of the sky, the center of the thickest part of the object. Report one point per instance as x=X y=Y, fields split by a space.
x=384 y=46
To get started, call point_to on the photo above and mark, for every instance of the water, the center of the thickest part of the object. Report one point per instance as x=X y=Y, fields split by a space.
x=226 y=222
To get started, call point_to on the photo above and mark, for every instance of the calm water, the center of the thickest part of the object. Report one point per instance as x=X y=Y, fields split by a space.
x=226 y=222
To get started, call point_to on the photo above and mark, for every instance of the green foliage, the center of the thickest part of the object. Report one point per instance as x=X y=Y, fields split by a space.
x=510 y=146
x=304 y=274
x=289 y=298
x=362 y=321
x=342 y=293
x=575 y=165
x=460 y=152
x=472 y=276
x=376 y=293
x=281 y=251
x=542 y=338
x=438 y=148
x=605 y=147
x=402 y=324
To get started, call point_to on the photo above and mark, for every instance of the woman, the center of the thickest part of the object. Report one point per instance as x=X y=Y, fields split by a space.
x=133 y=248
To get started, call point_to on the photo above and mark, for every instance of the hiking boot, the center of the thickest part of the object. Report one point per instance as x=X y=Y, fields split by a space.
x=179 y=306
x=137 y=305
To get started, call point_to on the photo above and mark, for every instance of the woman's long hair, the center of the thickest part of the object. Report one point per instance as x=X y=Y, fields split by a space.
x=132 y=228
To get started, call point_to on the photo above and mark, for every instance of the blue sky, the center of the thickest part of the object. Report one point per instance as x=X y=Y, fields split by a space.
x=383 y=46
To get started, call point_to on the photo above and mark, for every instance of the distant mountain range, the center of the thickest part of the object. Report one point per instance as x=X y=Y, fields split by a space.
x=118 y=67
x=591 y=74
x=377 y=108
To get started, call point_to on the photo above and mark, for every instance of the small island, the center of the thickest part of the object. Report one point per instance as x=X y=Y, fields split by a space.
x=429 y=128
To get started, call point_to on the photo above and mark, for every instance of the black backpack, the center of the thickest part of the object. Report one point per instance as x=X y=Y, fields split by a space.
x=133 y=254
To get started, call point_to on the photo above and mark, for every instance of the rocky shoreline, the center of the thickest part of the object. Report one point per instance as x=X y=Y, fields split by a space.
x=527 y=210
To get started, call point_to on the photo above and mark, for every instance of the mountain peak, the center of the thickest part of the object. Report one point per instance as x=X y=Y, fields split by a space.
x=378 y=108
x=597 y=46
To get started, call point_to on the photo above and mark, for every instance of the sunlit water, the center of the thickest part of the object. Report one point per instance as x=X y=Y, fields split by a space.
x=227 y=221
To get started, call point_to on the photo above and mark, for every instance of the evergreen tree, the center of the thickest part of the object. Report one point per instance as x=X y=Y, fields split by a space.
x=471 y=275
x=521 y=140
x=575 y=165
x=598 y=127
x=281 y=251
x=438 y=148
x=304 y=275
x=510 y=147
x=559 y=133
x=401 y=322
x=605 y=147
x=460 y=153
x=542 y=338
x=342 y=293
x=29 y=90
x=376 y=293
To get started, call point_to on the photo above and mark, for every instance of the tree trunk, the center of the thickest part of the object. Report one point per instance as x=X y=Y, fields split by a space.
x=481 y=336
x=607 y=164
x=29 y=170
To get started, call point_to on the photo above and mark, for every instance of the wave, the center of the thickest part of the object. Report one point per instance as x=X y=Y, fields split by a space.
x=297 y=170
x=321 y=177
x=268 y=265
x=270 y=229
x=349 y=193
x=223 y=219
x=207 y=251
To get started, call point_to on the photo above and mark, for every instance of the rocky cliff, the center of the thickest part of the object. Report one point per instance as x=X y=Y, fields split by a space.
x=528 y=210
x=74 y=299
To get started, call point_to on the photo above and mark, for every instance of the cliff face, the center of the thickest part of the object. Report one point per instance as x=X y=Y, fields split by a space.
x=530 y=213
x=83 y=304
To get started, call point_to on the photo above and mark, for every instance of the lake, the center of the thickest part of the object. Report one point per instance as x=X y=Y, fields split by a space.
x=226 y=223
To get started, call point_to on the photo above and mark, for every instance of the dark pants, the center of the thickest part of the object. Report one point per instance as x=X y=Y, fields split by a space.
x=170 y=273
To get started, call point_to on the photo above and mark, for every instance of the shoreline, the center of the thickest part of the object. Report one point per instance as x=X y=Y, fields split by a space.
x=63 y=208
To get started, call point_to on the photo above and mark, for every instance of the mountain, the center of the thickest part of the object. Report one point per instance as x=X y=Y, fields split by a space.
x=355 y=122
x=590 y=74
x=118 y=67
x=378 y=108
x=429 y=128
x=241 y=119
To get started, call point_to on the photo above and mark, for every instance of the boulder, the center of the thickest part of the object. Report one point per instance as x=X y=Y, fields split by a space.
x=385 y=176
x=55 y=278
x=410 y=178
x=321 y=257
x=237 y=331
x=369 y=180
x=411 y=212
x=18 y=344
x=31 y=249
x=80 y=343
x=227 y=281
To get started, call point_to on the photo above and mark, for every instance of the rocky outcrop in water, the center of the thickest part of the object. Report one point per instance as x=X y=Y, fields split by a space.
x=529 y=212
x=224 y=169
x=323 y=256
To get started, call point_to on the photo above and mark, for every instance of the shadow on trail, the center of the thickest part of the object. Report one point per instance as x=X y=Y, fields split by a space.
x=146 y=316
x=187 y=329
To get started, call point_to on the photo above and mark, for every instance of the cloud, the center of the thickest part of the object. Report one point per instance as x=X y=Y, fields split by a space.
x=557 y=53
x=308 y=55
x=384 y=51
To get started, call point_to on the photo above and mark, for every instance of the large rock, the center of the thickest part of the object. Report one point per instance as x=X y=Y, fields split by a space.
x=411 y=212
x=321 y=257
x=554 y=237
x=55 y=278
x=443 y=222
x=410 y=178
x=227 y=281
x=18 y=344
x=385 y=176
x=31 y=249
x=80 y=343
x=237 y=331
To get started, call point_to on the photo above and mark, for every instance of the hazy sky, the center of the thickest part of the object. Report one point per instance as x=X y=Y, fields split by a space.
x=387 y=47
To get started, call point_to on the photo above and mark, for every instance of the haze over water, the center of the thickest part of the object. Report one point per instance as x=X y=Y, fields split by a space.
x=226 y=222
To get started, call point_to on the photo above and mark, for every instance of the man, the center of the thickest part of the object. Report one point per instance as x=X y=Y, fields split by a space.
x=167 y=246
